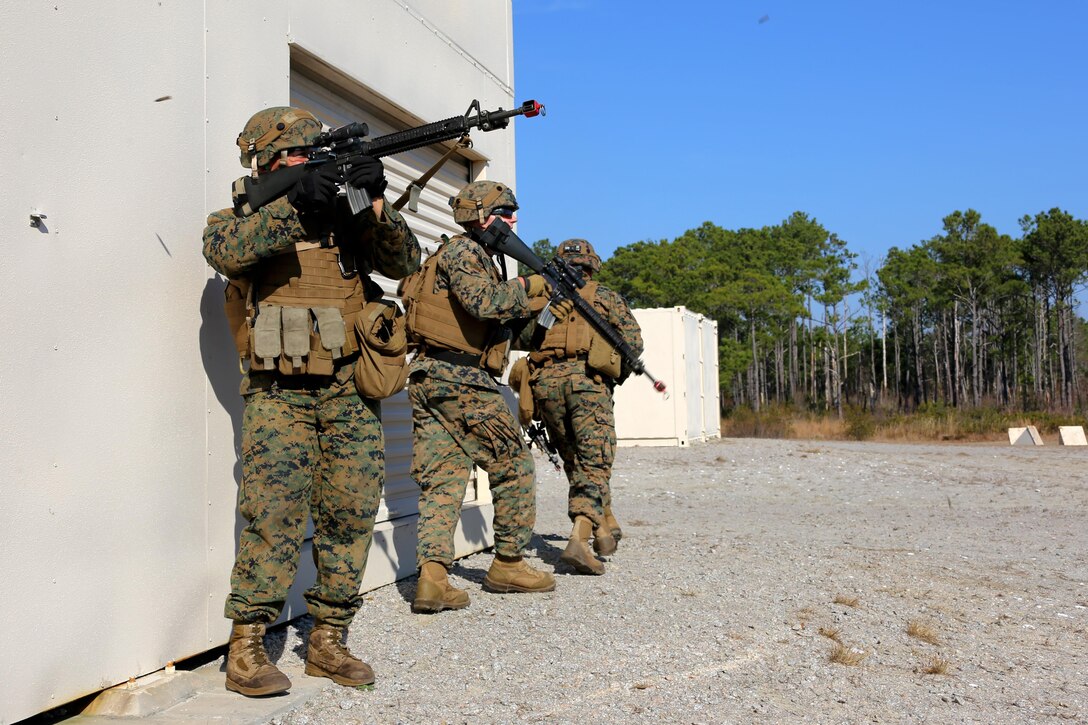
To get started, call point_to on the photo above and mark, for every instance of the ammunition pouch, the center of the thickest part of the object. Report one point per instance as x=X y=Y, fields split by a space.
x=383 y=345
x=285 y=339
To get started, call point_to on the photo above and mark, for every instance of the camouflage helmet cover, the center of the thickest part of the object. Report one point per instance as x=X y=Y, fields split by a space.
x=581 y=253
x=476 y=201
x=273 y=129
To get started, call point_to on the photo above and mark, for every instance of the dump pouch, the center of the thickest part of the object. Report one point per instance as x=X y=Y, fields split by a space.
x=381 y=370
x=603 y=357
x=519 y=381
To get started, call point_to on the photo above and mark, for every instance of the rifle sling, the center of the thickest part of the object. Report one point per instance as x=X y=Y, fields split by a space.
x=463 y=142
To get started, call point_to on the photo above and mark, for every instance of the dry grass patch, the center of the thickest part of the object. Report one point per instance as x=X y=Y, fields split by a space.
x=825 y=428
x=846 y=600
x=843 y=655
x=922 y=631
x=832 y=633
x=804 y=615
x=935 y=666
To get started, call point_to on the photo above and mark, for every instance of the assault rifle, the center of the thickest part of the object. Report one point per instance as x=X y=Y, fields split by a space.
x=344 y=145
x=538 y=436
x=565 y=281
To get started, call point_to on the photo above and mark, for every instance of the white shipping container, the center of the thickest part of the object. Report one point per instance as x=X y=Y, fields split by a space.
x=712 y=415
x=681 y=351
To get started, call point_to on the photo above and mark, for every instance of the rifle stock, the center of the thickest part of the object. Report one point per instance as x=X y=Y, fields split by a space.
x=565 y=281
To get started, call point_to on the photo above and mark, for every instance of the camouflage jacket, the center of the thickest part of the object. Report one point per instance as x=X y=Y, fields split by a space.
x=469 y=273
x=234 y=245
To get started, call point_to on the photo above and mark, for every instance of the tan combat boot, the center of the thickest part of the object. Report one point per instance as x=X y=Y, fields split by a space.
x=434 y=591
x=326 y=656
x=604 y=543
x=577 y=553
x=612 y=524
x=512 y=574
x=607 y=536
x=248 y=669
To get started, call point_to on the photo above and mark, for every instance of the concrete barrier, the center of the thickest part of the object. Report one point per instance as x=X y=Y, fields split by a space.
x=1027 y=436
x=1071 y=435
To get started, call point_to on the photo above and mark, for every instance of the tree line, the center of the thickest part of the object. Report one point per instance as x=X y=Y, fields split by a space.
x=969 y=318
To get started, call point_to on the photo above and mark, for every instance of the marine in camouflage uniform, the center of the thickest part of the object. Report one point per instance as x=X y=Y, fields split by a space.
x=457 y=305
x=311 y=445
x=574 y=400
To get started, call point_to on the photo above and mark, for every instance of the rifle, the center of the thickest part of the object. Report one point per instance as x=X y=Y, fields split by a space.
x=565 y=281
x=538 y=436
x=344 y=145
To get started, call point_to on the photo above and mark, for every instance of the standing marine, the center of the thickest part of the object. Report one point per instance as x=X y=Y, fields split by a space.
x=298 y=294
x=572 y=372
x=461 y=315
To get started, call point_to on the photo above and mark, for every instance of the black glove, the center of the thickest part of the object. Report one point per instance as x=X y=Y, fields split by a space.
x=369 y=174
x=316 y=189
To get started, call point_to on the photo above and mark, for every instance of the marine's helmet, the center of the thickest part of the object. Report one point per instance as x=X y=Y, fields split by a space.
x=581 y=253
x=476 y=201
x=273 y=129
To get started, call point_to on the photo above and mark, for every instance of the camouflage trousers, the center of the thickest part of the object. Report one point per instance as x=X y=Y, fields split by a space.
x=454 y=427
x=577 y=411
x=306 y=452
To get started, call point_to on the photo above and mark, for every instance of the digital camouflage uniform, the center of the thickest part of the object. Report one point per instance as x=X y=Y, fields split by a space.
x=310 y=444
x=575 y=403
x=460 y=418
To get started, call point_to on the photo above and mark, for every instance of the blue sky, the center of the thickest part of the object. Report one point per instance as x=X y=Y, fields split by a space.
x=876 y=118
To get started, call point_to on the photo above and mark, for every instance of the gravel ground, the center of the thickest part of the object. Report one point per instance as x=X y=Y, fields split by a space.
x=744 y=565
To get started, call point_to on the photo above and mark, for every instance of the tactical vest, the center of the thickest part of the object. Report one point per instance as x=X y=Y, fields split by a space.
x=296 y=313
x=437 y=320
x=574 y=338
x=571 y=336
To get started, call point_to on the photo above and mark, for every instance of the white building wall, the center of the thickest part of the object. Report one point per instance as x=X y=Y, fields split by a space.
x=119 y=413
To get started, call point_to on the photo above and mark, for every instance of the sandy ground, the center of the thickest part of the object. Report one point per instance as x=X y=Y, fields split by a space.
x=744 y=565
